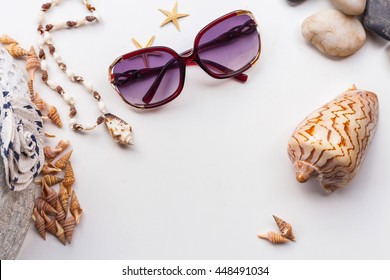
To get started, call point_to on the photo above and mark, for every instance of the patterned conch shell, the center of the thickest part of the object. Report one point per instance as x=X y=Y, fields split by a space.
x=39 y=223
x=21 y=132
x=69 y=225
x=60 y=233
x=49 y=194
x=120 y=130
x=63 y=197
x=54 y=116
x=75 y=208
x=51 y=153
x=63 y=144
x=61 y=215
x=63 y=161
x=49 y=180
x=273 y=237
x=285 y=228
x=50 y=224
x=16 y=51
x=32 y=64
x=42 y=205
x=49 y=168
x=68 y=177
x=331 y=142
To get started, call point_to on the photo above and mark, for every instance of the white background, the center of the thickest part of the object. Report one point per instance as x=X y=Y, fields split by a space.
x=209 y=169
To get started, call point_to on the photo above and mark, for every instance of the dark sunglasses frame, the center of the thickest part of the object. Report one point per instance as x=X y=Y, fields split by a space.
x=189 y=57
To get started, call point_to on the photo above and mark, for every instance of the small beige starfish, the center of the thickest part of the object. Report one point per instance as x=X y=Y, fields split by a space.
x=145 y=55
x=172 y=16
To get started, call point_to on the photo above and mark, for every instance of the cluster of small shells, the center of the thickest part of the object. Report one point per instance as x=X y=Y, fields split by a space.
x=32 y=65
x=284 y=236
x=57 y=212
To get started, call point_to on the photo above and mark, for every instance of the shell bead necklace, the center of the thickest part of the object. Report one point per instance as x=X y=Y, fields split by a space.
x=119 y=129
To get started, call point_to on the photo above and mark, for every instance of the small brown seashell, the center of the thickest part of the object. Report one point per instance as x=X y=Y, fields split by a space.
x=49 y=194
x=75 y=208
x=39 y=223
x=63 y=161
x=49 y=168
x=42 y=205
x=6 y=40
x=48 y=135
x=60 y=233
x=72 y=111
x=273 y=237
x=68 y=176
x=51 y=153
x=38 y=101
x=50 y=224
x=61 y=213
x=50 y=180
x=63 y=144
x=63 y=196
x=16 y=51
x=69 y=225
x=32 y=64
x=285 y=228
x=54 y=116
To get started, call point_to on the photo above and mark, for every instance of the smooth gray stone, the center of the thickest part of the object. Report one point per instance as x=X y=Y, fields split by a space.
x=377 y=17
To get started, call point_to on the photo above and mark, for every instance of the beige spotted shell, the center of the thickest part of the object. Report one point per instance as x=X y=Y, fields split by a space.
x=331 y=143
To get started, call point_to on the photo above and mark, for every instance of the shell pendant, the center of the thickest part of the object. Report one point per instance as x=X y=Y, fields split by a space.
x=331 y=143
x=120 y=130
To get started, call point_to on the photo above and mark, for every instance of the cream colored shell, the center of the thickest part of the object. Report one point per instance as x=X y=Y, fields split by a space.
x=331 y=142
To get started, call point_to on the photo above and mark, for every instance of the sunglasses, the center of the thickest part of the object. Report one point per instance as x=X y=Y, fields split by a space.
x=151 y=77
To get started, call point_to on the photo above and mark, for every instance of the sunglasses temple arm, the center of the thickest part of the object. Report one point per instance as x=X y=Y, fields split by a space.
x=240 y=77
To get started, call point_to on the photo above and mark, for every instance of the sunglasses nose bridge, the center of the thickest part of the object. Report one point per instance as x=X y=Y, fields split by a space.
x=189 y=57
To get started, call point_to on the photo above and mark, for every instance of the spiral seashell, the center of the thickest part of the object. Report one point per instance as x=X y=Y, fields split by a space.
x=63 y=197
x=120 y=130
x=54 y=116
x=63 y=161
x=68 y=226
x=39 y=223
x=38 y=101
x=285 y=228
x=273 y=237
x=63 y=144
x=51 y=153
x=75 y=208
x=32 y=64
x=42 y=205
x=6 y=40
x=331 y=142
x=68 y=176
x=15 y=50
x=50 y=180
x=60 y=234
x=61 y=214
x=49 y=194
x=49 y=168
x=50 y=224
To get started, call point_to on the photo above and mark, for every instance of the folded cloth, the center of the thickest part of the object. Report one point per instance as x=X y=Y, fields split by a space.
x=21 y=156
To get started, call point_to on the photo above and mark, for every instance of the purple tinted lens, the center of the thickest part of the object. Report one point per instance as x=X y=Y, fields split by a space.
x=148 y=78
x=230 y=46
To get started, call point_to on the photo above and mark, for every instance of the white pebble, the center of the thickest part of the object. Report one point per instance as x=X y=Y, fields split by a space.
x=102 y=107
x=350 y=7
x=47 y=37
x=44 y=65
x=69 y=74
x=334 y=33
x=52 y=84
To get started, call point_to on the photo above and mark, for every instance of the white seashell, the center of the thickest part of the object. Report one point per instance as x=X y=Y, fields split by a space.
x=331 y=142
x=120 y=130
x=44 y=65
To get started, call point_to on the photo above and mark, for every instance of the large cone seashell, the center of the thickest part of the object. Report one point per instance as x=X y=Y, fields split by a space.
x=60 y=233
x=69 y=225
x=63 y=161
x=63 y=197
x=51 y=153
x=61 y=215
x=285 y=228
x=120 y=130
x=50 y=180
x=42 y=205
x=68 y=177
x=49 y=195
x=50 y=224
x=16 y=51
x=6 y=40
x=63 y=144
x=331 y=142
x=49 y=168
x=274 y=237
x=54 y=116
x=75 y=208
x=32 y=64
x=39 y=223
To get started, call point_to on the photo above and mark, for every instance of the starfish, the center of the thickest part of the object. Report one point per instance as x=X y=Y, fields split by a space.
x=172 y=16
x=145 y=55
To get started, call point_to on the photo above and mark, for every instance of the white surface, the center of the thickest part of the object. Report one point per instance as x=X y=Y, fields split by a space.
x=208 y=170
